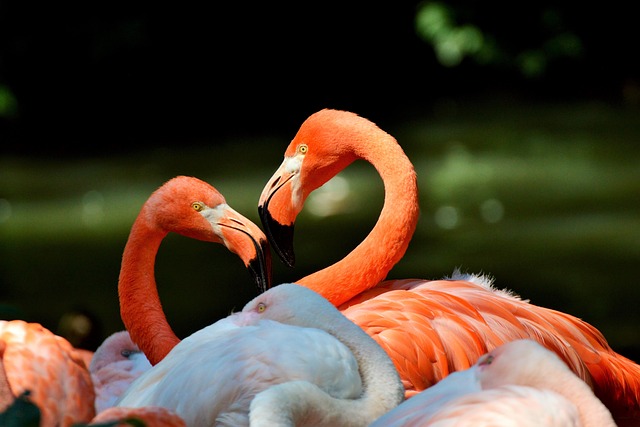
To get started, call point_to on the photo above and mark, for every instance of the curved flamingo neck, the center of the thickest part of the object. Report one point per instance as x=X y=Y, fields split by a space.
x=370 y=262
x=140 y=306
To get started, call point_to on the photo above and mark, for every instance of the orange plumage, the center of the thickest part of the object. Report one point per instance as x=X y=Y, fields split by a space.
x=50 y=368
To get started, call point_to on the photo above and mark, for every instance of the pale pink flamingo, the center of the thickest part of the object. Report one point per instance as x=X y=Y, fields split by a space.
x=193 y=208
x=429 y=328
x=324 y=370
x=49 y=368
x=115 y=364
x=520 y=383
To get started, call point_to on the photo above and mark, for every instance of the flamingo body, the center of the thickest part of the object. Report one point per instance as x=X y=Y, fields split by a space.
x=429 y=328
x=520 y=383
x=451 y=323
x=241 y=360
x=116 y=363
x=212 y=376
x=47 y=366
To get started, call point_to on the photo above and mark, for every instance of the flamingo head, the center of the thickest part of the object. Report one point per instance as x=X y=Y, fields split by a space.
x=519 y=362
x=323 y=146
x=195 y=209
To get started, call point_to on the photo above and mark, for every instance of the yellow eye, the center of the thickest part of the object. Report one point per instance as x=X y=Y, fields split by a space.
x=198 y=206
x=303 y=148
x=261 y=307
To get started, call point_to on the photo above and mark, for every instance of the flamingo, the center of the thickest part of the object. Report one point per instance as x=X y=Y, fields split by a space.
x=193 y=208
x=48 y=368
x=430 y=328
x=518 y=383
x=116 y=363
x=288 y=358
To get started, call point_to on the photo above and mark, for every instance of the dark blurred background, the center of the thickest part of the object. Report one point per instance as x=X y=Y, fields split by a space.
x=522 y=119
x=99 y=77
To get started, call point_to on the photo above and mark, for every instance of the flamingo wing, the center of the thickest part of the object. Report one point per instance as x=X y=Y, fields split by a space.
x=432 y=328
x=37 y=361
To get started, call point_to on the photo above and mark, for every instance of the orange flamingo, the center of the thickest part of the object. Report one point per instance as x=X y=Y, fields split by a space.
x=429 y=328
x=37 y=361
x=56 y=374
x=193 y=208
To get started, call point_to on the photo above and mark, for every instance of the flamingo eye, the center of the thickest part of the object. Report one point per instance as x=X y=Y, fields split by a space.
x=488 y=359
x=198 y=206
x=126 y=353
x=303 y=148
x=262 y=307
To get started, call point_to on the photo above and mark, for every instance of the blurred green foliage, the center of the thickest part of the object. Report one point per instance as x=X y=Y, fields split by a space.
x=438 y=24
x=8 y=103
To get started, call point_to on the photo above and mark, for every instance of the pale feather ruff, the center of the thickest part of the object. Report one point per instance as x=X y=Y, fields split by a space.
x=484 y=280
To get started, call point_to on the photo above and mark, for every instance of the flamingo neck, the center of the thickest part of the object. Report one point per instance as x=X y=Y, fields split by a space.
x=370 y=262
x=302 y=402
x=140 y=306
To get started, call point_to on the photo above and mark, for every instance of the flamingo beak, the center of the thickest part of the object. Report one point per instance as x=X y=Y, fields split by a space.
x=260 y=267
x=277 y=214
x=242 y=237
x=281 y=236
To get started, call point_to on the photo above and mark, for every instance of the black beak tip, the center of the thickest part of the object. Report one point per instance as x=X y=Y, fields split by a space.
x=280 y=236
x=260 y=268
